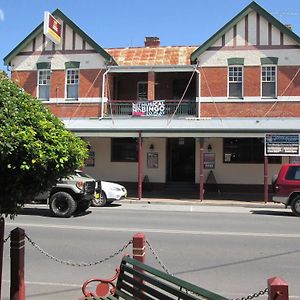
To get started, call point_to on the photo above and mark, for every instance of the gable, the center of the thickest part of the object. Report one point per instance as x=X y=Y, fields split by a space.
x=73 y=39
x=252 y=27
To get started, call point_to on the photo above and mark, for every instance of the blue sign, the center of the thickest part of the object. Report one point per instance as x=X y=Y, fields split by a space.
x=282 y=144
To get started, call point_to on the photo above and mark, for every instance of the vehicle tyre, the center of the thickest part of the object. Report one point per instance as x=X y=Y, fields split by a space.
x=62 y=204
x=295 y=205
x=100 y=201
x=82 y=206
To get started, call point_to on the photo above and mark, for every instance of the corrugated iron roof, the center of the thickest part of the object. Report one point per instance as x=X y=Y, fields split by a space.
x=150 y=56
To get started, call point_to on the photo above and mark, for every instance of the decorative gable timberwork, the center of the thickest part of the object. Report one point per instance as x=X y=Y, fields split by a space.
x=252 y=29
x=76 y=45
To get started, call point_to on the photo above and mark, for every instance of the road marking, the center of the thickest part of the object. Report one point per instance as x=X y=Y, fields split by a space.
x=50 y=283
x=154 y=230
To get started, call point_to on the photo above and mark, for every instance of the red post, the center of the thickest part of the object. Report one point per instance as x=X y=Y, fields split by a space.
x=140 y=167
x=278 y=289
x=201 y=169
x=2 y=224
x=138 y=245
x=266 y=176
x=17 y=254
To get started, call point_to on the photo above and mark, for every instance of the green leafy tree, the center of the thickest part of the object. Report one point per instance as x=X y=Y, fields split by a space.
x=35 y=148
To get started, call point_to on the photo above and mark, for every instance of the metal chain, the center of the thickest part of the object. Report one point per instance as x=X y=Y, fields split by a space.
x=255 y=295
x=5 y=240
x=157 y=258
x=75 y=264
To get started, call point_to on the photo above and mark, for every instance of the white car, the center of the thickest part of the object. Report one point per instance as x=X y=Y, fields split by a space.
x=107 y=192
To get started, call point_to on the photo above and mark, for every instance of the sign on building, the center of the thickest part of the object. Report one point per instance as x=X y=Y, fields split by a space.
x=52 y=28
x=149 y=108
x=282 y=144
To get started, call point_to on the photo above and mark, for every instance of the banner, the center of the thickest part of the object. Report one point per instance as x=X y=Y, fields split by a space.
x=153 y=108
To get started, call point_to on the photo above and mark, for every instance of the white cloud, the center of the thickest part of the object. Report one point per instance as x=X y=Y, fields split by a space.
x=1 y=15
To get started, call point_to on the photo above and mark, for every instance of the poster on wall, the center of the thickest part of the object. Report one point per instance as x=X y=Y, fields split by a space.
x=90 y=161
x=209 y=160
x=152 y=160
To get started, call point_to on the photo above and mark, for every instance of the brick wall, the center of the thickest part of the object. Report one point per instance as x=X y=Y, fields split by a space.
x=27 y=80
x=250 y=109
x=213 y=82
x=76 y=110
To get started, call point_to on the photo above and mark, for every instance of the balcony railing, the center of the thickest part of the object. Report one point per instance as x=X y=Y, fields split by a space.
x=125 y=107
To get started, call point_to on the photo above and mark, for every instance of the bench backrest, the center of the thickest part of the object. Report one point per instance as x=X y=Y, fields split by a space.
x=139 y=281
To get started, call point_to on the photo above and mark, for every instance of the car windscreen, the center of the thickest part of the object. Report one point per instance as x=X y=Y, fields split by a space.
x=82 y=174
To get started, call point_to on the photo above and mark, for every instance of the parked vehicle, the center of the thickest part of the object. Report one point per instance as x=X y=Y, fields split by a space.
x=286 y=186
x=70 y=195
x=107 y=192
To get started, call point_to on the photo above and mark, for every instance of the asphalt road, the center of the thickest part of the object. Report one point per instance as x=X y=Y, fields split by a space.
x=230 y=250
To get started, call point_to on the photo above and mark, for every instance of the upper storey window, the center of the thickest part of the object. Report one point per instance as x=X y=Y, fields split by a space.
x=44 y=78
x=235 y=81
x=269 y=77
x=235 y=77
x=72 y=80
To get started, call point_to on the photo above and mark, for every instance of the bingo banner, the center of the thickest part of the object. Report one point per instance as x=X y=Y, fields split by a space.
x=153 y=108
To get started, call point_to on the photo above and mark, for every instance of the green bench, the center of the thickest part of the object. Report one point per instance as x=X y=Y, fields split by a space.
x=140 y=281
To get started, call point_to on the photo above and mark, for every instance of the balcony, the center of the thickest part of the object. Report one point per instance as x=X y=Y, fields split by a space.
x=145 y=108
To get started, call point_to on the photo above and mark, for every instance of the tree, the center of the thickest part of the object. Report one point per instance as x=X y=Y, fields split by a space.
x=35 y=148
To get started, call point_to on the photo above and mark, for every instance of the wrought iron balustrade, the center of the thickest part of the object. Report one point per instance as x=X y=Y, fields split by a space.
x=124 y=107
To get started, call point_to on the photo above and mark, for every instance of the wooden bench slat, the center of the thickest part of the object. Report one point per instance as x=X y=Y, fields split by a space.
x=169 y=278
x=157 y=287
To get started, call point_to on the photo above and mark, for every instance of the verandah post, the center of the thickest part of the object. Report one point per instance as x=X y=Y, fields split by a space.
x=140 y=167
x=2 y=226
x=17 y=255
x=266 y=177
x=201 y=168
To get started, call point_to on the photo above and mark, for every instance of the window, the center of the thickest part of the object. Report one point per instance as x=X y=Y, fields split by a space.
x=142 y=90
x=124 y=149
x=44 y=84
x=72 y=83
x=268 y=81
x=246 y=151
x=293 y=173
x=235 y=81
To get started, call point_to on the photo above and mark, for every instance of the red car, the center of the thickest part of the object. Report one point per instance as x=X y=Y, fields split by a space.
x=286 y=186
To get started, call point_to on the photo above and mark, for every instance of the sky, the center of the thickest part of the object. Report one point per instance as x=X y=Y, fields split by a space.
x=125 y=23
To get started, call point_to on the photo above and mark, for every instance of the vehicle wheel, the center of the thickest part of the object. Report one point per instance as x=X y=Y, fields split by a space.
x=62 y=204
x=295 y=205
x=100 y=201
x=82 y=206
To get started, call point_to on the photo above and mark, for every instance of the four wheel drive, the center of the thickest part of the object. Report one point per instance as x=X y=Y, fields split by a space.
x=70 y=195
x=286 y=186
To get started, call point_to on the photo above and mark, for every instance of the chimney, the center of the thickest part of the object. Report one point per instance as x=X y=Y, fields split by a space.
x=152 y=41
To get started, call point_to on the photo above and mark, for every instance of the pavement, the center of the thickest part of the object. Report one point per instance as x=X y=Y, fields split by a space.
x=238 y=200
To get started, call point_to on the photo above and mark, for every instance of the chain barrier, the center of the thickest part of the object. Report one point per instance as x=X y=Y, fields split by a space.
x=255 y=295
x=75 y=264
x=157 y=258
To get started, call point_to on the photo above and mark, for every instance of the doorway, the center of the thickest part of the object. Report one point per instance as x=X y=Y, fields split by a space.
x=181 y=159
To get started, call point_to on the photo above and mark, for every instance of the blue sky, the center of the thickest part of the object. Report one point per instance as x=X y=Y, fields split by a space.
x=125 y=23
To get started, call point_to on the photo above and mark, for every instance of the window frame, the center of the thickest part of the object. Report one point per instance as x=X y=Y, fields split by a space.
x=71 y=84
x=232 y=82
x=254 y=145
x=140 y=83
x=275 y=81
x=122 y=142
x=41 y=84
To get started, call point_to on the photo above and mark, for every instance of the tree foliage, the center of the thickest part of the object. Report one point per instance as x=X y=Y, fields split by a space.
x=35 y=148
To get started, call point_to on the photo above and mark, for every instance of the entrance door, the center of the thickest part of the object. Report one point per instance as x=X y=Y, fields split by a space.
x=181 y=159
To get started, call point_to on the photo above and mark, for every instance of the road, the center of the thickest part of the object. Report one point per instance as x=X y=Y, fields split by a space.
x=229 y=250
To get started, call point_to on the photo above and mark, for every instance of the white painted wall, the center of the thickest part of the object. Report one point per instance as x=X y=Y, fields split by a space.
x=126 y=171
x=224 y=173
x=286 y=57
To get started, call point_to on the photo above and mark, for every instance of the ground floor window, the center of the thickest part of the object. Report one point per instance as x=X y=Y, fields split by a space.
x=124 y=149
x=246 y=151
